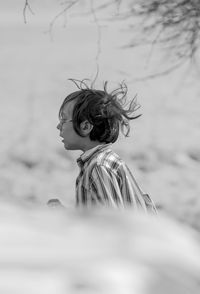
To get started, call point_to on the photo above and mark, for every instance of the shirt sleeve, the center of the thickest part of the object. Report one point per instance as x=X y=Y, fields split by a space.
x=105 y=187
x=114 y=189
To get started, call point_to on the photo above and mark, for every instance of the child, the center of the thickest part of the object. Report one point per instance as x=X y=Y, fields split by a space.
x=90 y=120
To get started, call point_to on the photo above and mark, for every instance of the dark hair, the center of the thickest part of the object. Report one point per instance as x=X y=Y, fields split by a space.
x=107 y=112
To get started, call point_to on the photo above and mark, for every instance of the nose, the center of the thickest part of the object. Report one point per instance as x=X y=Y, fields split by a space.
x=58 y=126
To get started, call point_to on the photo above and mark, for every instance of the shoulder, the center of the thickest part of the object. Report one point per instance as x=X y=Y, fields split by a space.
x=108 y=159
x=107 y=163
x=104 y=161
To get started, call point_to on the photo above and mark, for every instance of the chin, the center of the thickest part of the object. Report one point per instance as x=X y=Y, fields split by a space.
x=67 y=147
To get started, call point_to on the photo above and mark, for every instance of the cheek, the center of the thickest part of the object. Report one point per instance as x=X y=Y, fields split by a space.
x=65 y=132
x=68 y=132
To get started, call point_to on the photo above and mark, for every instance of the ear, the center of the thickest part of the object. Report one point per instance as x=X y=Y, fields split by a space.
x=86 y=128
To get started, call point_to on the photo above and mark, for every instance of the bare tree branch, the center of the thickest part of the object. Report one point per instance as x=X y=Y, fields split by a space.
x=172 y=25
x=67 y=6
x=98 y=40
x=160 y=73
x=26 y=6
x=179 y=20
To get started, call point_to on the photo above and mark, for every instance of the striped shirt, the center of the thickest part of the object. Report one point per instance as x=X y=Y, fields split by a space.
x=105 y=179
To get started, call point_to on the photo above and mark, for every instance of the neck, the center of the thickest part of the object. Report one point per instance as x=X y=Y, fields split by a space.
x=91 y=145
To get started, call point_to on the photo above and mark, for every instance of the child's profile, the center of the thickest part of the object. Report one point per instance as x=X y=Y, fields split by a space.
x=90 y=120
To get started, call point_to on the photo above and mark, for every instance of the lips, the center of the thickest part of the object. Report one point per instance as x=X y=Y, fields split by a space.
x=62 y=139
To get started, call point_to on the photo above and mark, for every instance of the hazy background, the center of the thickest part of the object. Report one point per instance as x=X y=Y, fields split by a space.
x=163 y=149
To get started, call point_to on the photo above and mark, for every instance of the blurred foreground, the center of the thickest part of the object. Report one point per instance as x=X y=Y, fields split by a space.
x=64 y=251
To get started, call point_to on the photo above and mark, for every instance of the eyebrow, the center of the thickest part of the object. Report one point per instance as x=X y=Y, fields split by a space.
x=64 y=118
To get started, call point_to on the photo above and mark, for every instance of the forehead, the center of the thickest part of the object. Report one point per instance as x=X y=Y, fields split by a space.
x=68 y=109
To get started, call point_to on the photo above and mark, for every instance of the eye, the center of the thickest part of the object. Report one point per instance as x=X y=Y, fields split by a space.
x=63 y=120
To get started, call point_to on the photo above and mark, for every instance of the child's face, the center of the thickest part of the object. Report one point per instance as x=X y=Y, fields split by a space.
x=71 y=140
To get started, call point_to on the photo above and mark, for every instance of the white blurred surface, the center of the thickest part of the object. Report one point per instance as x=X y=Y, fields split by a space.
x=53 y=251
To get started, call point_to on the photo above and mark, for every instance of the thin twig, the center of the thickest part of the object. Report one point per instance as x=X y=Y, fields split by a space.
x=159 y=74
x=27 y=6
x=98 y=53
x=62 y=12
x=106 y=5
x=155 y=41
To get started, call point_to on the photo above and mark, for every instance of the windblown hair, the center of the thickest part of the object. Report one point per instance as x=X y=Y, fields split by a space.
x=107 y=112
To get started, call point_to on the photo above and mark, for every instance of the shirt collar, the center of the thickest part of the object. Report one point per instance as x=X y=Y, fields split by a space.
x=89 y=153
